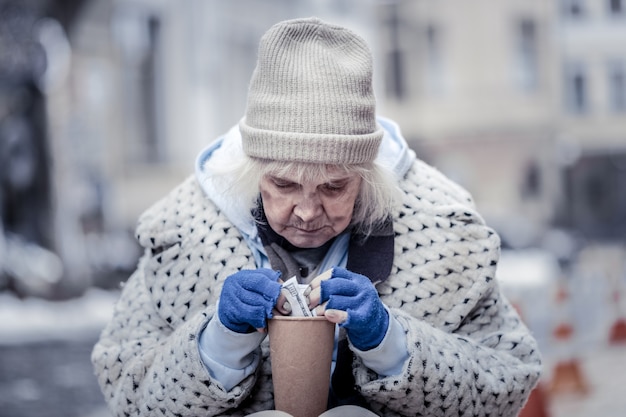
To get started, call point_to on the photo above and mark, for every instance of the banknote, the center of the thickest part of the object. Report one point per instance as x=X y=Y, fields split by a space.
x=294 y=293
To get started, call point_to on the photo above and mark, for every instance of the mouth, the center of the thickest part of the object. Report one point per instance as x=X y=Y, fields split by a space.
x=308 y=230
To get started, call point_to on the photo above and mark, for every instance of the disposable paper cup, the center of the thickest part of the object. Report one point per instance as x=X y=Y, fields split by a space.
x=301 y=350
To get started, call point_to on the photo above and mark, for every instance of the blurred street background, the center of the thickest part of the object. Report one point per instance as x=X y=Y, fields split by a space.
x=104 y=105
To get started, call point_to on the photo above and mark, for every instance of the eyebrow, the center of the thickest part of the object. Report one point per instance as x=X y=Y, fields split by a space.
x=278 y=178
x=340 y=180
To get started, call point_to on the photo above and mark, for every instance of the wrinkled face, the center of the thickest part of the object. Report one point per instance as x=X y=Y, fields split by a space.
x=310 y=213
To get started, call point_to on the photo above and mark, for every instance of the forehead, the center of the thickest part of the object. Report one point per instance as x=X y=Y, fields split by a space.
x=301 y=173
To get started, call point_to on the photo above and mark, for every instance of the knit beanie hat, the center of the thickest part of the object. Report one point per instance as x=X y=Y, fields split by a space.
x=311 y=97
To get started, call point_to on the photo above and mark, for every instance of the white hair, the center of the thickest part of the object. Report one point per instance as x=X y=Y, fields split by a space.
x=374 y=203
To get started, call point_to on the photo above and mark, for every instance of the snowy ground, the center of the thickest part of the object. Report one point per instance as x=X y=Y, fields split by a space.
x=34 y=319
x=45 y=368
x=45 y=348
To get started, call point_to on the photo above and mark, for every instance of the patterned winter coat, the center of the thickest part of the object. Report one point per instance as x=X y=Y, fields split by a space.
x=469 y=353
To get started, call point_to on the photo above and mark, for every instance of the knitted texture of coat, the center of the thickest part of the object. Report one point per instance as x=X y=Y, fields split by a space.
x=469 y=352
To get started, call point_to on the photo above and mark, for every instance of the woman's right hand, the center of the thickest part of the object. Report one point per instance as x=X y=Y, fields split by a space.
x=248 y=298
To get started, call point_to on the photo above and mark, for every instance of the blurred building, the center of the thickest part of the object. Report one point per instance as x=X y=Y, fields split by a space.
x=473 y=87
x=590 y=39
x=179 y=76
x=523 y=102
x=127 y=93
x=36 y=255
x=520 y=101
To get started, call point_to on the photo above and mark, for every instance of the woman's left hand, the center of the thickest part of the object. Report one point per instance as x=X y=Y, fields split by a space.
x=351 y=300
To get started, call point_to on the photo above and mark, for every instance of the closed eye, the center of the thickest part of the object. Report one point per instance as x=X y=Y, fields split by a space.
x=334 y=187
x=283 y=184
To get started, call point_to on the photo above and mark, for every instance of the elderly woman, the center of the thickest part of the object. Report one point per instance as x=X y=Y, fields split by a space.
x=312 y=180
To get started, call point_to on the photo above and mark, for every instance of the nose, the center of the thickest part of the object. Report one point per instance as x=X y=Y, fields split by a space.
x=308 y=207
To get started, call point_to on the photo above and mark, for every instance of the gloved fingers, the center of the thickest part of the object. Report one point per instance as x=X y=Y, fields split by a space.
x=252 y=285
x=251 y=278
x=334 y=314
x=259 y=316
x=339 y=310
x=243 y=302
x=248 y=298
x=340 y=302
x=266 y=272
x=349 y=275
x=338 y=286
x=254 y=315
x=246 y=301
x=270 y=274
x=260 y=285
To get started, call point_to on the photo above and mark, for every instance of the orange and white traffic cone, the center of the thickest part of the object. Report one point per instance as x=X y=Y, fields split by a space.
x=537 y=404
x=617 y=334
x=567 y=376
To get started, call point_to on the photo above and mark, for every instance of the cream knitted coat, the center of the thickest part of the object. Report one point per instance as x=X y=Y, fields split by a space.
x=470 y=355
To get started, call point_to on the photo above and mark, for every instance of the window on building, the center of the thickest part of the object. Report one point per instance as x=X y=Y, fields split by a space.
x=616 y=7
x=138 y=36
x=617 y=85
x=532 y=184
x=433 y=70
x=576 y=88
x=394 y=74
x=573 y=8
x=527 y=55
x=153 y=149
x=593 y=203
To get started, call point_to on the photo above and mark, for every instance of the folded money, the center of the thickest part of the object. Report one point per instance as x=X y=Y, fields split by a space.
x=297 y=300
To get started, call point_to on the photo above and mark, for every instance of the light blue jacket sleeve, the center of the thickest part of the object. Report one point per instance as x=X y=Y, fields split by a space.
x=229 y=356
x=389 y=356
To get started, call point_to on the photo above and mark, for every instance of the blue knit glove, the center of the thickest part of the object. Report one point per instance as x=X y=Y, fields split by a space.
x=247 y=299
x=355 y=294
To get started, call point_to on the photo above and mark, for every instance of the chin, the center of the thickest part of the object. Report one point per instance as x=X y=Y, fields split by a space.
x=305 y=244
x=308 y=243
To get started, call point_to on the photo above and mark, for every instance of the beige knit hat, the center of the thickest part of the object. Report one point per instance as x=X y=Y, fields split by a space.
x=311 y=97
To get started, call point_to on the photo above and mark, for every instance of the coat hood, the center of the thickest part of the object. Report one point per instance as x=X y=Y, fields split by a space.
x=394 y=154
